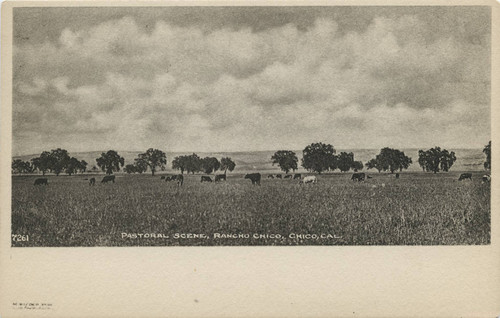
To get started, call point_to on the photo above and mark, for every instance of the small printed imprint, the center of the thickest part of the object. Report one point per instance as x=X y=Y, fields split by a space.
x=32 y=305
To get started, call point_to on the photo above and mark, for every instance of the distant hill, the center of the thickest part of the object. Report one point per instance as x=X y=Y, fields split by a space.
x=467 y=159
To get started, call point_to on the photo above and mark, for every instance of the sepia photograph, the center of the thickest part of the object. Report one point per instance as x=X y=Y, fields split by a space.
x=187 y=126
x=204 y=158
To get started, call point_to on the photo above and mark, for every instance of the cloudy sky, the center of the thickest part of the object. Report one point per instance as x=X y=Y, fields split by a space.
x=243 y=78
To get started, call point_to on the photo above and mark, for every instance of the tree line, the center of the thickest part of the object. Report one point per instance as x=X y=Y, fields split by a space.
x=156 y=159
x=58 y=160
x=316 y=157
x=320 y=157
x=193 y=163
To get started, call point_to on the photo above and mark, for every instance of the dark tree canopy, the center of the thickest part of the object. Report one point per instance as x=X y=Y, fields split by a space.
x=59 y=160
x=345 y=161
x=19 y=166
x=37 y=165
x=423 y=160
x=227 y=164
x=371 y=164
x=110 y=161
x=376 y=163
x=73 y=166
x=154 y=158
x=190 y=163
x=390 y=160
x=129 y=169
x=193 y=163
x=487 y=152
x=357 y=165
x=179 y=163
x=140 y=166
x=318 y=157
x=447 y=160
x=43 y=163
x=210 y=164
x=83 y=166
x=436 y=159
x=286 y=160
x=334 y=163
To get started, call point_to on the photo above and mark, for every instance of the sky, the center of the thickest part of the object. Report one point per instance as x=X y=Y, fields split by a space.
x=250 y=78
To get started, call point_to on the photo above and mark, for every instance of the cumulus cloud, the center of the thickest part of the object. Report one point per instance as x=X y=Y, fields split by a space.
x=186 y=88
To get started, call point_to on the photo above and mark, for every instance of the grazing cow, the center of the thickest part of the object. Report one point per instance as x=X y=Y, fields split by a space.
x=486 y=178
x=179 y=178
x=309 y=179
x=270 y=176
x=107 y=179
x=297 y=176
x=358 y=176
x=92 y=181
x=397 y=175
x=41 y=181
x=278 y=176
x=288 y=176
x=168 y=178
x=369 y=177
x=206 y=179
x=162 y=177
x=220 y=177
x=254 y=177
x=464 y=176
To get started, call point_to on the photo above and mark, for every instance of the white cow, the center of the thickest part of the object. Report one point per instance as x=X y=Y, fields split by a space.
x=309 y=179
x=486 y=178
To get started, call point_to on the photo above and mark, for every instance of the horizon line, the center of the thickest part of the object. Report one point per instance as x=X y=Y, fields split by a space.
x=242 y=151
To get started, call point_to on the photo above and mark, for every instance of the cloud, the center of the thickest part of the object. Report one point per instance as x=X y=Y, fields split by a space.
x=114 y=85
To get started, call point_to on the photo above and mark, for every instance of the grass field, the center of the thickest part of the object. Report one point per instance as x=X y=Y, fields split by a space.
x=417 y=209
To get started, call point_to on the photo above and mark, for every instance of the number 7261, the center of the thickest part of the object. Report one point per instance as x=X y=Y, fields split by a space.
x=20 y=238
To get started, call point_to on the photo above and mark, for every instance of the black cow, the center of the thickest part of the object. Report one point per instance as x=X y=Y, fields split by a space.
x=278 y=176
x=162 y=177
x=397 y=175
x=179 y=178
x=92 y=181
x=270 y=176
x=254 y=177
x=464 y=176
x=220 y=177
x=206 y=179
x=288 y=176
x=358 y=176
x=41 y=181
x=107 y=179
x=297 y=176
x=171 y=178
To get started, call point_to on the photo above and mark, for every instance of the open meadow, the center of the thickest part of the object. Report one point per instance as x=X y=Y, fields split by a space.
x=141 y=210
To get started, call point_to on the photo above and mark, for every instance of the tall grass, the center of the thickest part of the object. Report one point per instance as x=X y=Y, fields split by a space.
x=417 y=209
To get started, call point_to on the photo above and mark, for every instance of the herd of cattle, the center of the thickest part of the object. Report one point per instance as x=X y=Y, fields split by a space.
x=464 y=176
x=256 y=177
x=288 y=176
